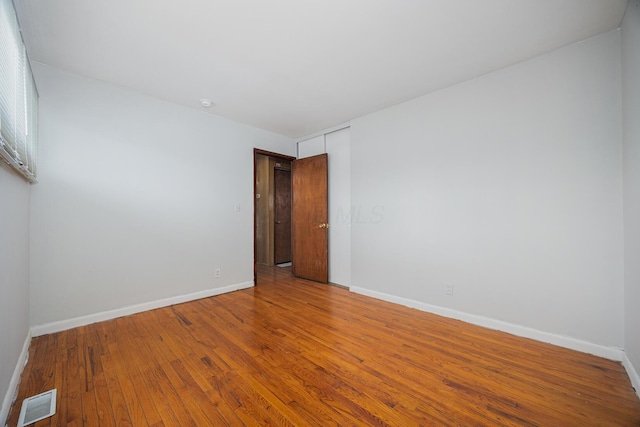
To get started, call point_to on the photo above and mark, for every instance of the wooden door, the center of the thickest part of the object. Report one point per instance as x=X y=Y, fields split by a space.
x=282 y=213
x=310 y=218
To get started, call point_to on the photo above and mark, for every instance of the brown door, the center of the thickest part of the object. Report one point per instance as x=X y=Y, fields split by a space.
x=282 y=213
x=310 y=218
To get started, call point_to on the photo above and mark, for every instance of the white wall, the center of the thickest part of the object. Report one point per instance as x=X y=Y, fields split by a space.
x=136 y=199
x=14 y=279
x=338 y=146
x=631 y=131
x=509 y=188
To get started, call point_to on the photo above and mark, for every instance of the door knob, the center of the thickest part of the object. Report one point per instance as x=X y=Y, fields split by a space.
x=323 y=225
x=277 y=222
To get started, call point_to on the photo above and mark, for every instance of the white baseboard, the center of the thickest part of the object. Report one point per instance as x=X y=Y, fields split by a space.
x=633 y=374
x=12 y=391
x=49 y=328
x=487 y=322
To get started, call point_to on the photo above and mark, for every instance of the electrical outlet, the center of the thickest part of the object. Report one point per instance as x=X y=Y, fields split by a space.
x=448 y=289
x=217 y=272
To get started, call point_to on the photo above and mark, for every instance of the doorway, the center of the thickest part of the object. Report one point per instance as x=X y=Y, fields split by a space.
x=282 y=213
x=272 y=209
x=300 y=222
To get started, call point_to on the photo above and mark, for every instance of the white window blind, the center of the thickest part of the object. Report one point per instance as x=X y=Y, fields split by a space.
x=18 y=97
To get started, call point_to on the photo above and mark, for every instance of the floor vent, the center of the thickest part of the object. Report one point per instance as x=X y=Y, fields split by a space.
x=37 y=408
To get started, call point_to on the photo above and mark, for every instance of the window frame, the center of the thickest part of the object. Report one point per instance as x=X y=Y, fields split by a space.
x=18 y=97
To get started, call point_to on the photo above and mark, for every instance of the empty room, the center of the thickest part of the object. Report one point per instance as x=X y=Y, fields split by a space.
x=292 y=213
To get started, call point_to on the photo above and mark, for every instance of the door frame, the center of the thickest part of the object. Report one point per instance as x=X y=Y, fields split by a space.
x=256 y=152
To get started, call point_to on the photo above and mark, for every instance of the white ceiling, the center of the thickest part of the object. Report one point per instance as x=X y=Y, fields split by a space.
x=298 y=66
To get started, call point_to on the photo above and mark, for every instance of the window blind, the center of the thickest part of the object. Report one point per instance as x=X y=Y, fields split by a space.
x=18 y=97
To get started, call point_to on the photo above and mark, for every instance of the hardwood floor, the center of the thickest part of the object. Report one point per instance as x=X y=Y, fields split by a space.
x=294 y=353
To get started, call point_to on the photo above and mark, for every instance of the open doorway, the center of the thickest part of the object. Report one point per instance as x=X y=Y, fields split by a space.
x=282 y=213
x=272 y=209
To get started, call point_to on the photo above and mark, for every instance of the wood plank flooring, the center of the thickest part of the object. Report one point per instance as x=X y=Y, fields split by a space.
x=295 y=353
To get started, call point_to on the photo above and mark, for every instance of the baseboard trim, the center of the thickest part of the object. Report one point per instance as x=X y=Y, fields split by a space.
x=12 y=391
x=63 y=325
x=633 y=374
x=487 y=322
